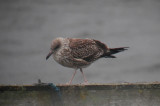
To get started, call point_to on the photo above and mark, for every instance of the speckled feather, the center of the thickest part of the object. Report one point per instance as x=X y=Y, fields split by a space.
x=86 y=49
x=80 y=53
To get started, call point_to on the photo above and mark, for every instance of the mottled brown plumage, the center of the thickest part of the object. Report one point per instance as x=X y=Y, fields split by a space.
x=80 y=53
x=86 y=49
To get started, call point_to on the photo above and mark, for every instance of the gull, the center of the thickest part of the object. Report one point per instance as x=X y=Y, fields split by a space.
x=80 y=53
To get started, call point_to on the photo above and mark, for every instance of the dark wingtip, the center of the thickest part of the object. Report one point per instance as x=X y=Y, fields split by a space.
x=111 y=56
x=121 y=48
x=117 y=50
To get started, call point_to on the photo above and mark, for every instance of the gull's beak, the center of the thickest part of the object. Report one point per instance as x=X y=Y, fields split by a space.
x=49 y=54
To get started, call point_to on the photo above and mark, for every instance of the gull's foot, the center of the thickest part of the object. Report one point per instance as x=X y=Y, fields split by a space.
x=68 y=83
x=85 y=83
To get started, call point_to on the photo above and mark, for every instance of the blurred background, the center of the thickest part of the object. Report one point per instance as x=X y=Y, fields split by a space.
x=27 y=28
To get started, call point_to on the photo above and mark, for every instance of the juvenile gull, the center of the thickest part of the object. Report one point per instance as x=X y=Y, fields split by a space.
x=80 y=53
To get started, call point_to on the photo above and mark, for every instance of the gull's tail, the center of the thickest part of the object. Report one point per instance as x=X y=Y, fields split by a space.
x=114 y=51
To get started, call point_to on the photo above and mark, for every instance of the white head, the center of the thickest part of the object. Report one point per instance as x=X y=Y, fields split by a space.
x=55 y=45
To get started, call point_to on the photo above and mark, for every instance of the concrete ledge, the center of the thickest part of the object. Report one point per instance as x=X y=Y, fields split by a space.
x=122 y=86
x=125 y=94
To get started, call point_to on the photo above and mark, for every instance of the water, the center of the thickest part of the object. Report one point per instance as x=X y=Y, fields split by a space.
x=27 y=28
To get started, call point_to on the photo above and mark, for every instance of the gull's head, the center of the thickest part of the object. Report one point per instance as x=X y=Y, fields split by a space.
x=55 y=45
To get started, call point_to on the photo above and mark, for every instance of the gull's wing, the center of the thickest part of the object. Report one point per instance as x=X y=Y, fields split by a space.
x=86 y=49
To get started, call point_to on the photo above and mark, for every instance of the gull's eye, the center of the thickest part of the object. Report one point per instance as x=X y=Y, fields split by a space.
x=57 y=46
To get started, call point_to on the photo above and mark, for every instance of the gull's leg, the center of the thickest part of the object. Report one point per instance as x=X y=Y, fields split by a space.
x=68 y=83
x=85 y=80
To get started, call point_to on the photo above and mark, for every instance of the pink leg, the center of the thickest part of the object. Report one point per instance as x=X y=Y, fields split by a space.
x=85 y=80
x=72 y=78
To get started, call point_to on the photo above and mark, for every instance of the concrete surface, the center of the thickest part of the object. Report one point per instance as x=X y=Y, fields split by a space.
x=125 y=94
